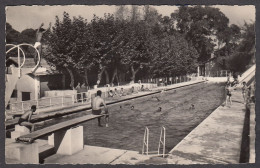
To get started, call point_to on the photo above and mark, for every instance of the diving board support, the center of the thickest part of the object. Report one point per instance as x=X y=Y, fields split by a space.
x=67 y=139
x=68 y=142
x=25 y=153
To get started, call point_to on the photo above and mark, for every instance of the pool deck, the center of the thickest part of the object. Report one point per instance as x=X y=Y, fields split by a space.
x=217 y=140
x=98 y=155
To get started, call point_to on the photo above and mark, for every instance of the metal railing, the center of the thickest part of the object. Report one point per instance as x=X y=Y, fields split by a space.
x=45 y=102
x=221 y=73
x=168 y=80
x=162 y=142
x=145 y=149
x=61 y=101
x=20 y=65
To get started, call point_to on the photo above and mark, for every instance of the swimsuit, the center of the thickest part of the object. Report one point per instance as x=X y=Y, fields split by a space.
x=37 y=44
x=228 y=93
x=244 y=89
x=21 y=120
x=96 y=112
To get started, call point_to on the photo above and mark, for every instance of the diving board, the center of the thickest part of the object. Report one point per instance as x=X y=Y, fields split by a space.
x=67 y=138
x=57 y=127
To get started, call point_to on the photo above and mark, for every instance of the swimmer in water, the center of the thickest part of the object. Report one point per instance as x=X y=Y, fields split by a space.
x=192 y=107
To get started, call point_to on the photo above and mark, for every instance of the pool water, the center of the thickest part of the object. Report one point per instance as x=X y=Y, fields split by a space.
x=126 y=126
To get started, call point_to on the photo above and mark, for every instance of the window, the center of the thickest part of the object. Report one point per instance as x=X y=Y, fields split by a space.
x=14 y=94
x=26 y=96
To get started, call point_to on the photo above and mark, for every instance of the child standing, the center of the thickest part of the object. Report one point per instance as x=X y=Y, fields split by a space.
x=244 y=89
x=229 y=94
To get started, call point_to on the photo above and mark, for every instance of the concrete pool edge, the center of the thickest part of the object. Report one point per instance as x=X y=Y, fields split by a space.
x=200 y=140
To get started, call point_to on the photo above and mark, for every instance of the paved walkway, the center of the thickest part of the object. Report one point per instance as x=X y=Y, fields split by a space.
x=217 y=140
x=98 y=155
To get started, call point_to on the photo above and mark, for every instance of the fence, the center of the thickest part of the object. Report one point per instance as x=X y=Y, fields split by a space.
x=169 y=80
x=85 y=97
x=45 y=102
x=221 y=73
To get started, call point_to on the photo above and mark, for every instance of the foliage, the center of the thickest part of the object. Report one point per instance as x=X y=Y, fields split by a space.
x=15 y=37
x=67 y=45
x=244 y=53
x=145 y=42
x=199 y=25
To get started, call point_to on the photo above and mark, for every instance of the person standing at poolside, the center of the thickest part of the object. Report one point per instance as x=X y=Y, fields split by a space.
x=244 y=89
x=228 y=94
x=96 y=104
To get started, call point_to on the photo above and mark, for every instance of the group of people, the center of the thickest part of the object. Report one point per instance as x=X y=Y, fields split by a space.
x=97 y=103
x=230 y=87
x=122 y=92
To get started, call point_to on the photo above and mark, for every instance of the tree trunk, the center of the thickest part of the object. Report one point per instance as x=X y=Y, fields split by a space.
x=102 y=68
x=117 y=78
x=71 y=78
x=133 y=71
x=113 y=76
x=86 y=77
x=107 y=76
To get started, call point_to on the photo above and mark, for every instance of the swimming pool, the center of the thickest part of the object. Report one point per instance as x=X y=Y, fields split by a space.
x=126 y=127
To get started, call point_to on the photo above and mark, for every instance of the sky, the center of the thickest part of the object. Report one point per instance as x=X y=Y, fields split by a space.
x=23 y=17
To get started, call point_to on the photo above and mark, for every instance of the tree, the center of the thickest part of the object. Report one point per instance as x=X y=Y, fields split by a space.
x=133 y=52
x=122 y=13
x=108 y=34
x=15 y=37
x=68 y=47
x=244 y=53
x=173 y=56
x=199 y=25
x=12 y=36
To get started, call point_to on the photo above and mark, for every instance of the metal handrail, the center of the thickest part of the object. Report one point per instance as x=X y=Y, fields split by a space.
x=19 y=48
x=146 y=141
x=162 y=135
x=74 y=98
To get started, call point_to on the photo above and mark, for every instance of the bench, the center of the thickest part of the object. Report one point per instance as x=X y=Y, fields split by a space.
x=67 y=139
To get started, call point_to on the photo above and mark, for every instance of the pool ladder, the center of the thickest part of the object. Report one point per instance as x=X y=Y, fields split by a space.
x=145 y=149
